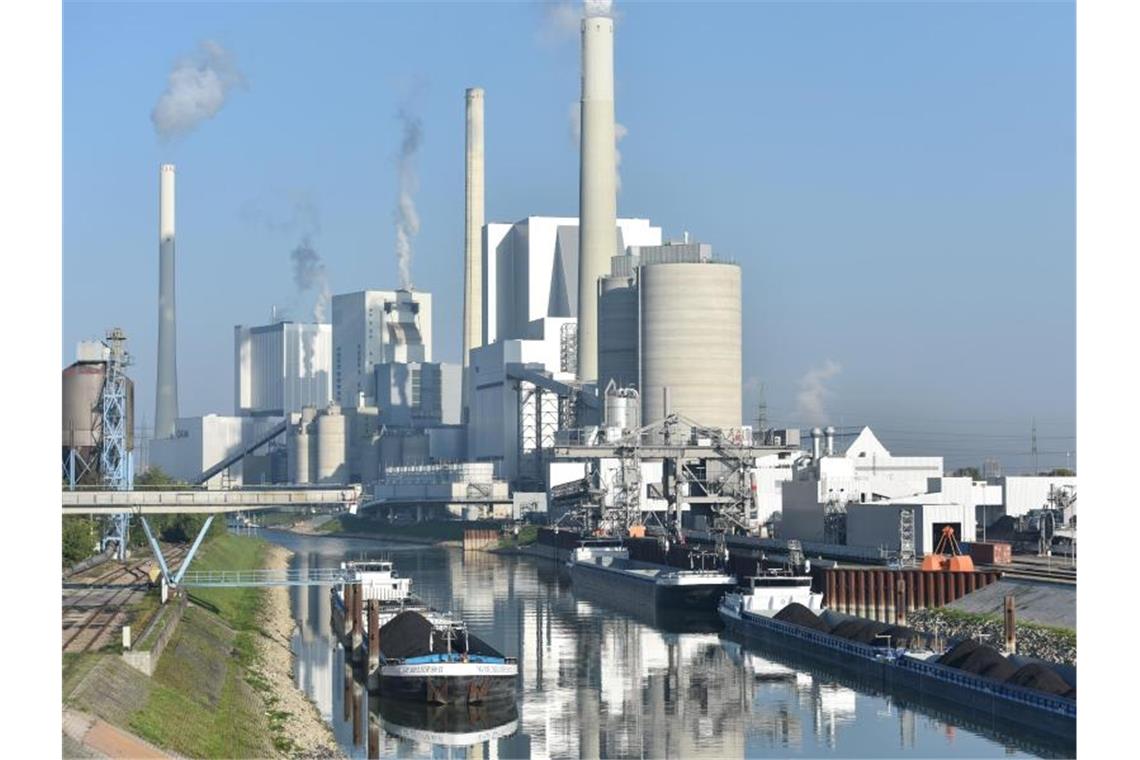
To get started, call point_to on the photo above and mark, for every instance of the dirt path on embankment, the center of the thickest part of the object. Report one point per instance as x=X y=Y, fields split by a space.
x=304 y=727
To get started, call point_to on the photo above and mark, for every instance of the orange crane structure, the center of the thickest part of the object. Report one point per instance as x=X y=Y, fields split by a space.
x=948 y=555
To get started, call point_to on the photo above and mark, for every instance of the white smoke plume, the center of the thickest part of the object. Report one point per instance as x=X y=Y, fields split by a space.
x=196 y=89
x=813 y=392
x=620 y=131
x=406 y=217
x=309 y=274
x=562 y=19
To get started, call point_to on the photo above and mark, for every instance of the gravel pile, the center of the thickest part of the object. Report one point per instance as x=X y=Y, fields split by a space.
x=1037 y=676
x=800 y=615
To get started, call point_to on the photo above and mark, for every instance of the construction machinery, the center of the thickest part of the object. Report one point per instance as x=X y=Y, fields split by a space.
x=948 y=555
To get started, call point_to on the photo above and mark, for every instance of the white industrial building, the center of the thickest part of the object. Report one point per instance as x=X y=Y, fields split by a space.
x=199 y=443
x=494 y=433
x=877 y=525
x=530 y=270
x=373 y=327
x=865 y=473
x=419 y=394
x=280 y=368
x=1019 y=495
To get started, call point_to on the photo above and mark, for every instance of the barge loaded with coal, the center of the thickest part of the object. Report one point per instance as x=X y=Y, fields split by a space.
x=778 y=611
x=412 y=651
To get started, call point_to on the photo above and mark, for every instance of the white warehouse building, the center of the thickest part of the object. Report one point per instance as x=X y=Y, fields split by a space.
x=280 y=368
x=199 y=443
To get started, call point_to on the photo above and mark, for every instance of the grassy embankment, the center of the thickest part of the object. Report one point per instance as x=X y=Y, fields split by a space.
x=207 y=698
x=1048 y=642
x=528 y=534
x=430 y=531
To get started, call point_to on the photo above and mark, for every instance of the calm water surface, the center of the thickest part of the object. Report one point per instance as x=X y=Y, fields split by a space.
x=597 y=682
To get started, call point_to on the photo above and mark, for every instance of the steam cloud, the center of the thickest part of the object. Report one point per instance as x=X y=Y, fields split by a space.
x=562 y=19
x=620 y=131
x=309 y=274
x=814 y=392
x=196 y=89
x=407 y=220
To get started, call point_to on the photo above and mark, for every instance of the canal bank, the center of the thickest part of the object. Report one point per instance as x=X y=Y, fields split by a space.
x=223 y=685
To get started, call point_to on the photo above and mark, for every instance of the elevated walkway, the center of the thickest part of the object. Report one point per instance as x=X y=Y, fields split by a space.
x=203 y=501
x=316 y=576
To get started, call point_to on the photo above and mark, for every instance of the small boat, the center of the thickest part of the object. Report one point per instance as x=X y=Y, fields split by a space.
x=378 y=582
x=437 y=660
x=604 y=567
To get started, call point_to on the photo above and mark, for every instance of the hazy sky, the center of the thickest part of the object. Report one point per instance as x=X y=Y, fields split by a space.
x=896 y=180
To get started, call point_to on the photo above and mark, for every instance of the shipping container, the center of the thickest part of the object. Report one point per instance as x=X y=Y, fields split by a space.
x=991 y=552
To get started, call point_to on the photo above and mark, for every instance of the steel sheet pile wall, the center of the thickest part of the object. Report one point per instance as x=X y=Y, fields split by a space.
x=690 y=342
x=873 y=592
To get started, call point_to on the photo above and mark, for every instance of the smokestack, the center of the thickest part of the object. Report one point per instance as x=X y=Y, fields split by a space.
x=473 y=250
x=816 y=441
x=166 y=384
x=597 y=200
x=829 y=436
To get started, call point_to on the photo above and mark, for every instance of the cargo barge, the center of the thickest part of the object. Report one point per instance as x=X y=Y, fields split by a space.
x=896 y=669
x=438 y=661
x=605 y=568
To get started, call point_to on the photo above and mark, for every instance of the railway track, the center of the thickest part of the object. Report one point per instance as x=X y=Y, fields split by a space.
x=1035 y=572
x=96 y=609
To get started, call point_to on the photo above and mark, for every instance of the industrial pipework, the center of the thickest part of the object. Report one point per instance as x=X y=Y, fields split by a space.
x=597 y=199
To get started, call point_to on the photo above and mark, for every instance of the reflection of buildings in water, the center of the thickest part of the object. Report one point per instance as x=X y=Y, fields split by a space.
x=770 y=691
x=314 y=669
x=834 y=706
x=626 y=688
x=907 y=728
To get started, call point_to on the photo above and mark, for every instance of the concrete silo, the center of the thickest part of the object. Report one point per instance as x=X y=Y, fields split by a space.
x=82 y=385
x=299 y=446
x=617 y=331
x=690 y=342
x=332 y=464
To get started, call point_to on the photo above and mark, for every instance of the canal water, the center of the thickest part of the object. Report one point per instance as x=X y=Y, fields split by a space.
x=596 y=681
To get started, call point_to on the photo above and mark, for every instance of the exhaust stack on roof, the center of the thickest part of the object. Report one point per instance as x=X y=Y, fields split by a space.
x=166 y=384
x=597 y=198
x=473 y=250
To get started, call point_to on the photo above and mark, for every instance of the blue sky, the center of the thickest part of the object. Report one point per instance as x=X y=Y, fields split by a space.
x=896 y=180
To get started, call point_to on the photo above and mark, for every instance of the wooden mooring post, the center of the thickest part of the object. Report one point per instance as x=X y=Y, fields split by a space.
x=1010 y=625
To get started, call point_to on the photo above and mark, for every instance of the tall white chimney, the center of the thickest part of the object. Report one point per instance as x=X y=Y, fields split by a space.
x=166 y=382
x=473 y=238
x=597 y=200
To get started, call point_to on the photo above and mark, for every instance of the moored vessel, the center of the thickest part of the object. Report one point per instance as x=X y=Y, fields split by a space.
x=605 y=568
x=439 y=661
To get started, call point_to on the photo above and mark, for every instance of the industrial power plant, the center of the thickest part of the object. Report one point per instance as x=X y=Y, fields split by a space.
x=600 y=385
x=615 y=557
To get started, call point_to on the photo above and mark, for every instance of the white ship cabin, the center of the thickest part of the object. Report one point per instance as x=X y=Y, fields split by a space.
x=378 y=580
x=770 y=592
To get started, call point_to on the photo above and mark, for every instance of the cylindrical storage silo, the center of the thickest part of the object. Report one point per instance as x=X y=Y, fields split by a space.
x=299 y=455
x=82 y=396
x=331 y=464
x=690 y=342
x=617 y=331
x=622 y=409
